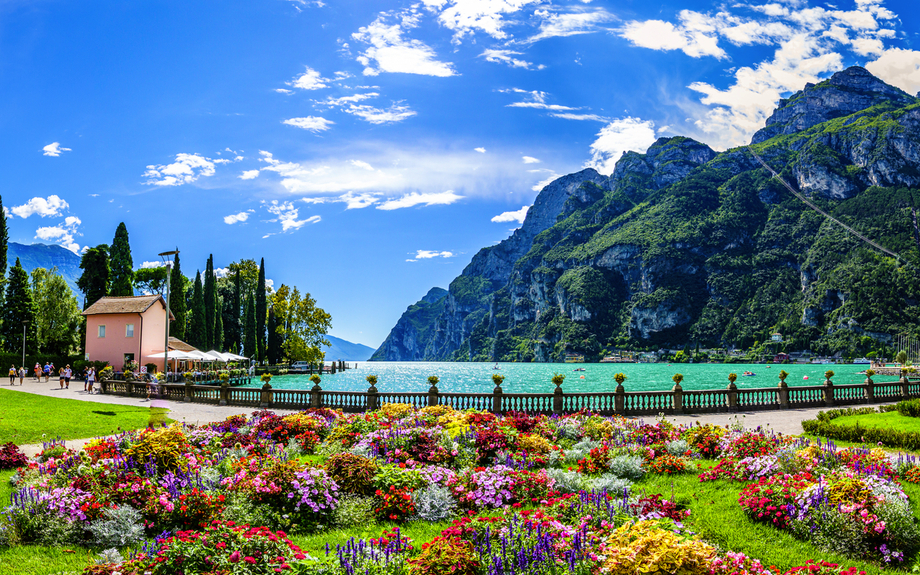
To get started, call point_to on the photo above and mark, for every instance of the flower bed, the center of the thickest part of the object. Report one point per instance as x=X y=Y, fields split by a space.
x=526 y=494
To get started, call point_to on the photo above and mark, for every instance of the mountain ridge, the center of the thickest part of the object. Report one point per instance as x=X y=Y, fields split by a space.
x=684 y=244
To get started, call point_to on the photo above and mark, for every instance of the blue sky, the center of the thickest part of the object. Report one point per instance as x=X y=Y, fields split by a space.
x=367 y=150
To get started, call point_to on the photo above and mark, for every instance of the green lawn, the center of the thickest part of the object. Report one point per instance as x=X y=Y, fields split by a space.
x=888 y=419
x=28 y=418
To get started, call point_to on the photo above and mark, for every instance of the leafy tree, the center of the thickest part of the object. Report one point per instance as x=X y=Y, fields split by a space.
x=17 y=309
x=151 y=280
x=210 y=303
x=57 y=313
x=249 y=276
x=275 y=338
x=122 y=265
x=197 y=332
x=177 y=289
x=94 y=281
x=261 y=311
x=249 y=328
x=901 y=357
x=306 y=326
x=218 y=327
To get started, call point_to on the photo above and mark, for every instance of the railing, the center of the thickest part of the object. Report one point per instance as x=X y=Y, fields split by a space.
x=675 y=401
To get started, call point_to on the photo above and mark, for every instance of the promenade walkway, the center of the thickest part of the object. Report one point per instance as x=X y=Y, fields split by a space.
x=781 y=421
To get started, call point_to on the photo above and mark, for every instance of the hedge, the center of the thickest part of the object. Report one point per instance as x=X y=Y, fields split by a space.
x=886 y=436
x=7 y=359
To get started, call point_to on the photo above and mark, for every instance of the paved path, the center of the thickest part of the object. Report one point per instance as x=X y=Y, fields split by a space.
x=781 y=421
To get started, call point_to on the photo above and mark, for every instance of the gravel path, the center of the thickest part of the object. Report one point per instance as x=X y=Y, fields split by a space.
x=781 y=421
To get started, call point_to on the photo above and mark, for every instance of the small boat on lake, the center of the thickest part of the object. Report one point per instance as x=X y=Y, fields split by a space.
x=749 y=373
x=579 y=369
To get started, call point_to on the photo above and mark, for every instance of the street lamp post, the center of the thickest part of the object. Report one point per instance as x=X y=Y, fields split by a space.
x=25 y=322
x=166 y=256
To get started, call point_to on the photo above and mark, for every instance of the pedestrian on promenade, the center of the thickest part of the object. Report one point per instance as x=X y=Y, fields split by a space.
x=47 y=371
x=12 y=374
x=38 y=372
x=90 y=378
x=68 y=373
x=22 y=374
x=61 y=377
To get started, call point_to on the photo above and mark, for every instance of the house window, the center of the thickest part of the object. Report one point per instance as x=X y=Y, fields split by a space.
x=101 y=331
x=129 y=330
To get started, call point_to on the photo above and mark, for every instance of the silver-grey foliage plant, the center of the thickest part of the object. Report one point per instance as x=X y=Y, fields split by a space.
x=434 y=503
x=119 y=527
x=627 y=467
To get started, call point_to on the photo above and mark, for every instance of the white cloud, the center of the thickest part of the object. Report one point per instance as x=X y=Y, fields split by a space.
x=619 y=136
x=480 y=150
x=249 y=175
x=553 y=176
x=313 y=123
x=507 y=57
x=428 y=254
x=224 y=272
x=467 y=16
x=284 y=91
x=571 y=116
x=186 y=169
x=537 y=100
x=236 y=218
x=421 y=199
x=515 y=216
x=899 y=68
x=287 y=214
x=44 y=207
x=362 y=165
x=397 y=112
x=530 y=160
x=54 y=150
x=660 y=35
x=309 y=80
x=390 y=52
x=62 y=234
x=148 y=265
x=556 y=25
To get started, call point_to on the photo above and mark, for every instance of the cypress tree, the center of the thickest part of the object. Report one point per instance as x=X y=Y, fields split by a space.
x=274 y=338
x=210 y=303
x=18 y=308
x=261 y=311
x=94 y=281
x=249 y=329
x=236 y=311
x=122 y=266
x=177 y=300
x=197 y=336
x=218 y=328
x=4 y=245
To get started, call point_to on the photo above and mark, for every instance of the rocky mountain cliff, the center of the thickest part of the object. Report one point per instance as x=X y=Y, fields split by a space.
x=682 y=244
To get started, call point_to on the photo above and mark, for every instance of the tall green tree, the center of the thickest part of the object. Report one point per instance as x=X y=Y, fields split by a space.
x=261 y=311
x=122 y=265
x=250 y=348
x=218 y=327
x=210 y=303
x=57 y=313
x=197 y=332
x=94 y=281
x=177 y=289
x=4 y=245
x=307 y=325
x=151 y=280
x=275 y=339
x=237 y=310
x=18 y=308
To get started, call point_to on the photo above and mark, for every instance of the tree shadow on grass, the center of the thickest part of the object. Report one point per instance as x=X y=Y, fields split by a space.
x=105 y=412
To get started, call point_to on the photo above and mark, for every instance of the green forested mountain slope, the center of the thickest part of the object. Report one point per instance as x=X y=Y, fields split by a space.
x=685 y=245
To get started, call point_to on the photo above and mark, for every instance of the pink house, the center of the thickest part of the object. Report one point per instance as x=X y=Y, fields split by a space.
x=119 y=329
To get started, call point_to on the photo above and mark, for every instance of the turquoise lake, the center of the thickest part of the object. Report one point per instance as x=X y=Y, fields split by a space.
x=535 y=377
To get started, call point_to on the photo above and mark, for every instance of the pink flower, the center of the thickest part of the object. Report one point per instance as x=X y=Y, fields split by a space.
x=235 y=557
x=250 y=560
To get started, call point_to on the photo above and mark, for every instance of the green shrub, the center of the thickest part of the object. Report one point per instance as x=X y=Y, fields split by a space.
x=353 y=510
x=886 y=436
x=353 y=473
x=444 y=555
x=909 y=407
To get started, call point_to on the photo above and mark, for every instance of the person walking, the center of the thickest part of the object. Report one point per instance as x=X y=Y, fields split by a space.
x=47 y=371
x=22 y=374
x=68 y=373
x=90 y=378
x=38 y=372
x=61 y=377
x=12 y=374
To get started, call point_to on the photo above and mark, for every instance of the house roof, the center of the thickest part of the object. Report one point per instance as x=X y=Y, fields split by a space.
x=177 y=344
x=126 y=304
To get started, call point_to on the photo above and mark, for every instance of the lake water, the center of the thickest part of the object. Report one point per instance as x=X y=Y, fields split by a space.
x=535 y=377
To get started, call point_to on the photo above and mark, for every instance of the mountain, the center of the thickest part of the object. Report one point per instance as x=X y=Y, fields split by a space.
x=685 y=245
x=346 y=350
x=48 y=256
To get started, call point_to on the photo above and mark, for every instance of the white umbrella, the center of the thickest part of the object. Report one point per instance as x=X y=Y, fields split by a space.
x=224 y=357
x=234 y=356
x=175 y=354
x=200 y=355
